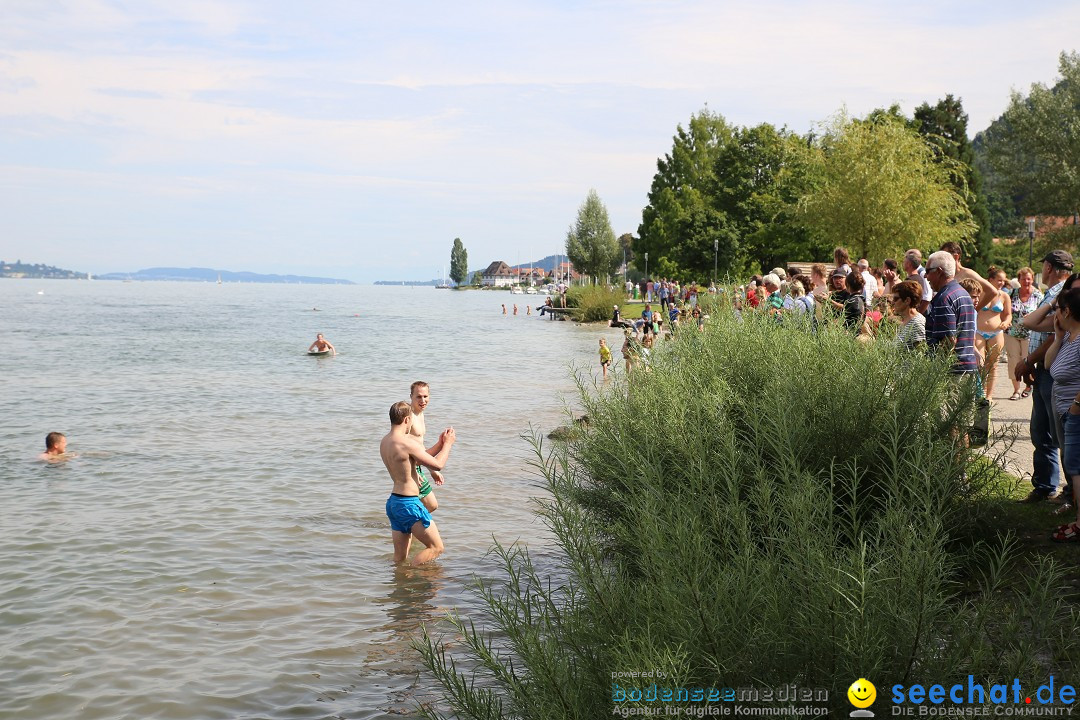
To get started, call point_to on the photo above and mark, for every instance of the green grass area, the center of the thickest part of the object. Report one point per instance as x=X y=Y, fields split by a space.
x=1029 y=526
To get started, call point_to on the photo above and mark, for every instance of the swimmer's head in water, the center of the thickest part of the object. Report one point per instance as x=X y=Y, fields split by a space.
x=400 y=412
x=56 y=442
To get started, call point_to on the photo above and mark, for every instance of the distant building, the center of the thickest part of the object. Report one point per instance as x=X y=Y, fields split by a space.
x=499 y=274
x=531 y=275
x=564 y=271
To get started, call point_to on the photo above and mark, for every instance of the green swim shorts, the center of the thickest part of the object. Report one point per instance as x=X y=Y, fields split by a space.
x=425 y=486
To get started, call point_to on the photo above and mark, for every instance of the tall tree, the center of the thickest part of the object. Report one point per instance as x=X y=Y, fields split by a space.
x=759 y=177
x=944 y=126
x=590 y=241
x=1036 y=145
x=883 y=189
x=459 y=262
x=678 y=224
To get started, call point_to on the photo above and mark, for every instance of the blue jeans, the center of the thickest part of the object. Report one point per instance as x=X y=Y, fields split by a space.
x=1071 y=443
x=1044 y=434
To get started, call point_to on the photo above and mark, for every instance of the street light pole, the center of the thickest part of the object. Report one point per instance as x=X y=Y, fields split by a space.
x=715 y=249
x=1031 y=238
x=646 y=267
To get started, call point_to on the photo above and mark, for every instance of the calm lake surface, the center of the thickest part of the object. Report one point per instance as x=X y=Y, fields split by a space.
x=219 y=548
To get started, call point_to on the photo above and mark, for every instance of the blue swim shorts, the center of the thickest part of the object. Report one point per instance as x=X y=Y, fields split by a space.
x=404 y=511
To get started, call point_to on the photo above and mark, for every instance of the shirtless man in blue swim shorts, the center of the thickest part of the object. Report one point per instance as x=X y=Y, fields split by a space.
x=402 y=452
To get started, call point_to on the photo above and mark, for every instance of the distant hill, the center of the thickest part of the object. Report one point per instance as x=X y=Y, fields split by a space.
x=210 y=275
x=547 y=263
x=19 y=269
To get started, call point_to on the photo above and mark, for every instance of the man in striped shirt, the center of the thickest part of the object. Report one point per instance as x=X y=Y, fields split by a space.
x=950 y=321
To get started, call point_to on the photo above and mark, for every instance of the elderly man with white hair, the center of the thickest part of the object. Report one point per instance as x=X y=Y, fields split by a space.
x=915 y=271
x=774 y=303
x=950 y=323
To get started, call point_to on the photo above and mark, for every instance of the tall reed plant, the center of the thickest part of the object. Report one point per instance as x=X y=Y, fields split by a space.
x=593 y=303
x=764 y=505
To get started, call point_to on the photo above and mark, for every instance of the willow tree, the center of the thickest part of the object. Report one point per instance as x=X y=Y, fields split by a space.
x=881 y=189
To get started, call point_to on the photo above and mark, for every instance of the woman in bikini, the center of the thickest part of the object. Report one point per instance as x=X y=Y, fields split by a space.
x=992 y=322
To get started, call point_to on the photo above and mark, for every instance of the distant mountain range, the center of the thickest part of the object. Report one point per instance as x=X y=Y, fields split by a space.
x=211 y=275
x=547 y=263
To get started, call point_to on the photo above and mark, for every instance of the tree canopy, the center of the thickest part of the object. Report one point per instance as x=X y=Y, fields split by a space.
x=944 y=126
x=883 y=189
x=1035 y=146
x=590 y=241
x=679 y=225
x=759 y=177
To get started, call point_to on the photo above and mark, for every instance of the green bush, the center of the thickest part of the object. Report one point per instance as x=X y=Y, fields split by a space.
x=764 y=506
x=593 y=303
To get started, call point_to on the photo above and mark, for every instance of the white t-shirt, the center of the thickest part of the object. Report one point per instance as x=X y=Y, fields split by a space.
x=869 y=287
x=927 y=291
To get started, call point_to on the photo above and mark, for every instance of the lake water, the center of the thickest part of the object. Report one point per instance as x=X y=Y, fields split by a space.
x=219 y=547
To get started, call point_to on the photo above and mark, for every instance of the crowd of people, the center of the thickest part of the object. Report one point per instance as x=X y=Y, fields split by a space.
x=641 y=334
x=937 y=305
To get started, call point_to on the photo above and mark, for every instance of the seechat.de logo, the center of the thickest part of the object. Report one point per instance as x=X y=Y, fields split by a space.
x=861 y=694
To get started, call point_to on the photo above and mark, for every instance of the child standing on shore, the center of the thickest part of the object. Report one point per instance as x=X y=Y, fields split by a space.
x=605 y=356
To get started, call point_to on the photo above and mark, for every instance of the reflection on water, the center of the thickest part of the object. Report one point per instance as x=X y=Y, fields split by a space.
x=410 y=604
x=219 y=549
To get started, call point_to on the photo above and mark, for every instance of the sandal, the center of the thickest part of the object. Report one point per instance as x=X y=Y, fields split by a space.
x=1066 y=533
x=1015 y=396
x=1027 y=392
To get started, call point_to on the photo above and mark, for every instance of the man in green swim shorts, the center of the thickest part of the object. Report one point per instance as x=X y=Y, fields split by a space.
x=419 y=396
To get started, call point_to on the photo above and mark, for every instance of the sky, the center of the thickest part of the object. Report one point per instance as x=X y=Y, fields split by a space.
x=356 y=139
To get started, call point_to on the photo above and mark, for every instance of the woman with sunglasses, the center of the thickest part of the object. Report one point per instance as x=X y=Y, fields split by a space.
x=905 y=303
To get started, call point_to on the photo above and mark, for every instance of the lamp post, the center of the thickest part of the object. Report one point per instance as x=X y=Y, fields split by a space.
x=624 y=267
x=646 y=267
x=1031 y=238
x=715 y=249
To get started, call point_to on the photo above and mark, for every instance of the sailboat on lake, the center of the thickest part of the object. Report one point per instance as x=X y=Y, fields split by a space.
x=444 y=285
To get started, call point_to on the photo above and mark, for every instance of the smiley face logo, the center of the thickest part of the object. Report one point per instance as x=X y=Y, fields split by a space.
x=862 y=693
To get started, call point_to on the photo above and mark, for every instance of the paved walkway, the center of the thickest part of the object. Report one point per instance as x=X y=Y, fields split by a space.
x=1015 y=414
